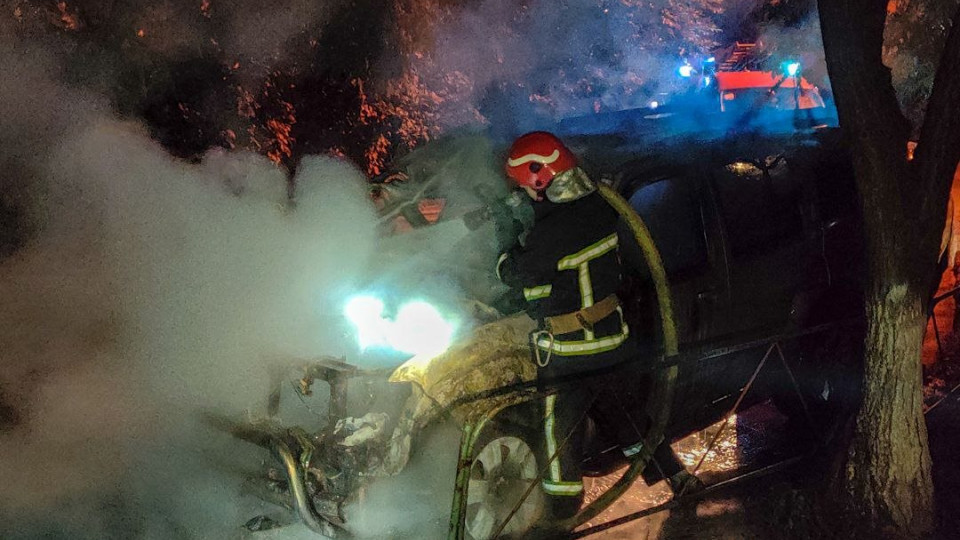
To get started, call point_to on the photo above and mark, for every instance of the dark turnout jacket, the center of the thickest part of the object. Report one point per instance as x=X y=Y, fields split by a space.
x=569 y=261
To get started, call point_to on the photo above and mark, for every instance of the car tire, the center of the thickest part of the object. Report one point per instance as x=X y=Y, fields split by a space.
x=505 y=464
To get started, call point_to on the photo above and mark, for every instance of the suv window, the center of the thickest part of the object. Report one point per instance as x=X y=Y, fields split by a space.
x=761 y=209
x=671 y=210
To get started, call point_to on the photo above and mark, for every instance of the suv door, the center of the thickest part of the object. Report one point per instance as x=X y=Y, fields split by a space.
x=771 y=251
x=682 y=225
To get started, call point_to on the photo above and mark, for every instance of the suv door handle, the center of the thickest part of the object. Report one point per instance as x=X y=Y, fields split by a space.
x=703 y=313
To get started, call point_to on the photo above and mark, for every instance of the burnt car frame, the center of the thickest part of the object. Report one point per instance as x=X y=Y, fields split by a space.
x=756 y=253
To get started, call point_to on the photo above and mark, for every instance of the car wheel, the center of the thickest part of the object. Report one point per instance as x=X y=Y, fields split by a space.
x=504 y=468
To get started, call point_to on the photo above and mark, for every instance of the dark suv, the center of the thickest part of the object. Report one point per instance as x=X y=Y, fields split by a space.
x=757 y=234
x=760 y=239
x=761 y=242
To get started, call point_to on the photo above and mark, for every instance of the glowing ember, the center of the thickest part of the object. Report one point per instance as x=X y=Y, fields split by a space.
x=141 y=33
x=281 y=131
x=67 y=20
x=406 y=103
x=247 y=106
x=376 y=154
x=230 y=137
x=205 y=8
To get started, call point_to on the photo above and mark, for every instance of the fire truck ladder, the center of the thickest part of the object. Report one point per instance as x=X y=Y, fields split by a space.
x=740 y=59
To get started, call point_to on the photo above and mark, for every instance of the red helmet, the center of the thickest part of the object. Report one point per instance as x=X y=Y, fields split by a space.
x=536 y=158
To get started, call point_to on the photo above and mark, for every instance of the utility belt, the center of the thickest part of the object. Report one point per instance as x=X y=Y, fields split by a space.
x=582 y=319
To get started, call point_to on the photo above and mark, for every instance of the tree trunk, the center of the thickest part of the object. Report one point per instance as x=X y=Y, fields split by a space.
x=887 y=485
x=887 y=478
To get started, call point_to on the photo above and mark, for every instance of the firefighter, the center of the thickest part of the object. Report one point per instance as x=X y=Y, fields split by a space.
x=569 y=270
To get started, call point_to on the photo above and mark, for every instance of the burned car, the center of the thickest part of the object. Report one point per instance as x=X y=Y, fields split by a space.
x=743 y=251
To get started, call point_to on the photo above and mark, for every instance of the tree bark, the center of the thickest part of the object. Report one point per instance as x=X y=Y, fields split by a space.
x=887 y=478
x=887 y=487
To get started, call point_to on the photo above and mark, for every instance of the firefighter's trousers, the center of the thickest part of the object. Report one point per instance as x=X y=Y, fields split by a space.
x=564 y=424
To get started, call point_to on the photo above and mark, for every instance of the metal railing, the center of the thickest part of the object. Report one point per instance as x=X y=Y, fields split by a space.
x=531 y=390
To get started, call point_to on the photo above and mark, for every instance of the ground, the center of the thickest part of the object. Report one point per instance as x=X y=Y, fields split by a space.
x=749 y=442
x=766 y=508
x=943 y=423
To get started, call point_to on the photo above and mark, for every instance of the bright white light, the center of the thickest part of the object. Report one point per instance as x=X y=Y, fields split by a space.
x=654 y=104
x=366 y=314
x=707 y=81
x=418 y=329
x=711 y=59
x=793 y=68
x=686 y=70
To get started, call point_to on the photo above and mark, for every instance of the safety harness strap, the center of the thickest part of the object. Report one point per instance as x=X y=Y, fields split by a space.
x=582 y=319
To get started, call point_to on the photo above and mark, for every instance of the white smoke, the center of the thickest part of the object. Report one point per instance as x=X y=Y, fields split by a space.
x=150 y=291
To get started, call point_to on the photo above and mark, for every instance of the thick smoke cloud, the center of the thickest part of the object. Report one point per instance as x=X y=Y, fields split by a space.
x=148 y=291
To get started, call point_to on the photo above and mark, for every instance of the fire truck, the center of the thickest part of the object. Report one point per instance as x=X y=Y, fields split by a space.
x=730 y=93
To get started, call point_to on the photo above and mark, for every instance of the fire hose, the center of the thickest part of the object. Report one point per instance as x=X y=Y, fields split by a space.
x=661 y=397
x=652 y=257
